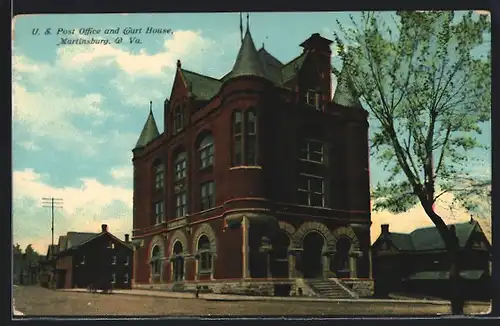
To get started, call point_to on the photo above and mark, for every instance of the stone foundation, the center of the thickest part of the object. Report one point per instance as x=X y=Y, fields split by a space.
x=363 y=288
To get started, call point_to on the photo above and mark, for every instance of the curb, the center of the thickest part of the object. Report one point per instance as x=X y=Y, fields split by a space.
x=222 y=297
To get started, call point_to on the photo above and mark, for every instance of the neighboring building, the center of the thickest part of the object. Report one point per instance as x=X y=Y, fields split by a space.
x=259 y=175
x=47 y=265
x=418 y=263
x=98 y=259
x=26 y=267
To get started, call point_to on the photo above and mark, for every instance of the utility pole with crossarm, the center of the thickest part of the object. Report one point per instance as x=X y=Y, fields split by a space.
x=52 y=203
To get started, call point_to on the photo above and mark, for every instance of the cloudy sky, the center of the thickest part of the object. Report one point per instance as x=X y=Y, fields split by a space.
x=79 y=109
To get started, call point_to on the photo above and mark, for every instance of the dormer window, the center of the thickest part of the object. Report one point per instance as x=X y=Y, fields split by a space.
x=312 y=98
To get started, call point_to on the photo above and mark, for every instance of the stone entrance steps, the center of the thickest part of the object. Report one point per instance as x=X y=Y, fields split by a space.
x=328 y=289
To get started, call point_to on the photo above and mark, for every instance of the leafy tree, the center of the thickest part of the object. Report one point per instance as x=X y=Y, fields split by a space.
x=428 y=92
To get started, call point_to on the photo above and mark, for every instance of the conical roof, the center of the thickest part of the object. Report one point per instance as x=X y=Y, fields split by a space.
x=345 y=93
x=248 y=62
x=149 y=131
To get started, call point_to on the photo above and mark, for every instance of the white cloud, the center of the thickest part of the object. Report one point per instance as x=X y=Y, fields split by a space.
x=85 y=208
x=29 y=145
x=122 y=173
x=181 y=44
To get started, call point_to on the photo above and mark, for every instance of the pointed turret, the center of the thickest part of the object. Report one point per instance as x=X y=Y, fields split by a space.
x=247 y=62
x=149 y=131
x=345 y=93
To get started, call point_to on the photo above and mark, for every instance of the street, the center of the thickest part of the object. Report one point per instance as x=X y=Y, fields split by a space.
x=38 y=301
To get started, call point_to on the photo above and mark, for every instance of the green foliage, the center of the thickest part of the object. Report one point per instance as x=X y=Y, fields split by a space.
x=419 y=77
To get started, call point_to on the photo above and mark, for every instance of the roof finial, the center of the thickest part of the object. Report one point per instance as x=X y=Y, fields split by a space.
x=150 y=107
x=241 y=27
x=248 y=22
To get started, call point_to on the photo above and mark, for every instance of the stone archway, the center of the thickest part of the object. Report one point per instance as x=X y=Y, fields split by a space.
x=322 y=229
x=178 y=236
x=349 y=233
x=347 y=251
x=158 y=259
x=205 y=229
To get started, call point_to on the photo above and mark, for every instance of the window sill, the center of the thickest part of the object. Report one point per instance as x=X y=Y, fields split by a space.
x=205 y=272
x=207 y=168
x=246 y=167
x=311 y=161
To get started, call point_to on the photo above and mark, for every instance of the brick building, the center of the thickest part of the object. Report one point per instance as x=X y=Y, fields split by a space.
x=100 y=259
x=260 y=176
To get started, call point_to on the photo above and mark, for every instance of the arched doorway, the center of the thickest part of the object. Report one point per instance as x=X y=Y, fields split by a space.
x=312 y=255
x=178 y=262
x=279 y=255
x=340 y=263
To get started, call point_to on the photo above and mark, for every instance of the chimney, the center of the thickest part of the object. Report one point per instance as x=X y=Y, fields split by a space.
x=104 y=228
x=385 y=228
x=127 y=238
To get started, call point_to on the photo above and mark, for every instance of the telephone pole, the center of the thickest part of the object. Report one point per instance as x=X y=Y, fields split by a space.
x=52 y=203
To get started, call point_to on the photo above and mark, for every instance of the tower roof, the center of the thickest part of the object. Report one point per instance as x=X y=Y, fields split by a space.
x=248 y=62
x=149 y=131
x=345 y=93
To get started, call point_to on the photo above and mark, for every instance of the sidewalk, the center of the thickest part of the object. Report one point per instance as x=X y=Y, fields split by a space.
x=16 y=312
x=229 y=297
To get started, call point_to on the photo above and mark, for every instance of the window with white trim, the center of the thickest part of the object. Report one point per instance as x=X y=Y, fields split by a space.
x=113 y=278
x=125 y=278
x=159 y=212
x=159 y=176
x=207 y=196
x=113 y=260
x=311 y=190
x=206 y=151
x=313 y=98
x=312 y=150
x=127 y=260
x=180 y=204
x=180 y=166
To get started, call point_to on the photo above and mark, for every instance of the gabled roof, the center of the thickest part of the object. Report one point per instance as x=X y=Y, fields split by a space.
x=149 y=131
x=429 y=239
x=81 y=238
x=74 y=239
x=203 y=87
x=289 y=70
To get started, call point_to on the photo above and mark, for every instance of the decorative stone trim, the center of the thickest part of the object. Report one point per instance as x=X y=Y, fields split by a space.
x=310 y=226
x=348 y=232
x=180 y=236
x=207 y=230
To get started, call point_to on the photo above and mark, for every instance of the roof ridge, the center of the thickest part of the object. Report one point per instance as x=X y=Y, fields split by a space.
x=198 y=74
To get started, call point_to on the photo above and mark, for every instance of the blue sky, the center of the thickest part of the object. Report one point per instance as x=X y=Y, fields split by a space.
x=78 y=109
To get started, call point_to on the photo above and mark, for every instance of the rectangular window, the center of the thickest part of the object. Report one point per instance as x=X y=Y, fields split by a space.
x=312 y=150
x=127 y=260
x=178 y=119
x=251 y=138
x=313 y=99
x=206 y=156
x=125 y=278
x=113 y=278
x=205 y=261
x=180 y=169
x=311 y=190
x=159 y=212
x=180 y=204
x=113 y=260
x=83 y=261
x=237 y=138
x=207 y=197
x=160 y=175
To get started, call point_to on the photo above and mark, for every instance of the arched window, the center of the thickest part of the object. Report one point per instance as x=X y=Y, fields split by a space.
x=250 y=137
x=159 y=175
x=237 y=138
x=206 y=151
x=180 y=166
x=205 y=264
x=156 y=260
